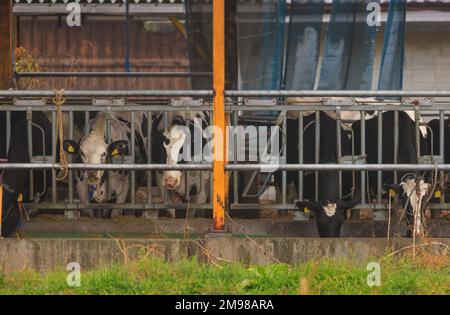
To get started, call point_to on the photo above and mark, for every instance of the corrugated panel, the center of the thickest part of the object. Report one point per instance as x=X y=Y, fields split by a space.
x=99 y=45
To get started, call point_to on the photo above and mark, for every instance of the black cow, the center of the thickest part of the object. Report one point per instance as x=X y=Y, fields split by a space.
x=15 y=182
x=407 y=150
x=329 y=209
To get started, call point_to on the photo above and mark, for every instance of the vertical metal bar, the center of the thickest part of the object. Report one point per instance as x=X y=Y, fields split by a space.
x=54 y=197
x=71 y=172
x=339 y=147
x=8 y=130
x=380 y=154
x=417 y=122
x=435 y=214
x=30 y=149
x=284 y=174
x=108 y=141
x=363 y=154
x=219 y=143
x=235 y=155
x=86 y=132
x=165 y=192
x=396 y=144
x=149 y=156
x=300 y=154
x=186 y=177
x=133 y=155
x=317 y=154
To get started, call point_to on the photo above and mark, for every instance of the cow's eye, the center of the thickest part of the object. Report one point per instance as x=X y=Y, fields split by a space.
x=103 y=154
x=82 y=154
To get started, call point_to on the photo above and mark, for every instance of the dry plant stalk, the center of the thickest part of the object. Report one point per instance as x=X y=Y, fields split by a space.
x=148 y=250
x=253 y=241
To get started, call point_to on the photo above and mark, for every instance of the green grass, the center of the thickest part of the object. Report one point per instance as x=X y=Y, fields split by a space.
x=152 y=275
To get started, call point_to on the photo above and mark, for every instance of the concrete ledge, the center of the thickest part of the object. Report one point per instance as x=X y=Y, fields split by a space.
x=285 y=227
x=49 y=254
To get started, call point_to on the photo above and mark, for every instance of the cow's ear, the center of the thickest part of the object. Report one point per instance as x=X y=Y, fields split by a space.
x=392 y=189
x=71 y=147
x=305 y=206
x=348 y=204
x=118 y=148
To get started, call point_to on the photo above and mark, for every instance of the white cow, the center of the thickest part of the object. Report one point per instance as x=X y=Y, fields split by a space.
x=105 y=186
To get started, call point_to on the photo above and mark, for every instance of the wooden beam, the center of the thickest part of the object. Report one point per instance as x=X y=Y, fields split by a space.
x=220 y=185
x=5 y=44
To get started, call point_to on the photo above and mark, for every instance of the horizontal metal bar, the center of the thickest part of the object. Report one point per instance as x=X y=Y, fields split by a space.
x=168 y=107
x=290 y=206
x=137 y=206
x=336 y=167
x=107 y=93
x=320 y=107
x=144 y=9
x=234 y=167
x=96 y=108
x=249 y=93
x=158 y=206
x=136 y=167
x=327 y=93
x=103 y=74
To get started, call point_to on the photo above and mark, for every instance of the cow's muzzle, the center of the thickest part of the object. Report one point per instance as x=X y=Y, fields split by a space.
x=171 y=183
x=94 y=177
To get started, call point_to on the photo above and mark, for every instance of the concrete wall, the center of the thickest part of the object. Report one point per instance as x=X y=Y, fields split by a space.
x=50 y=254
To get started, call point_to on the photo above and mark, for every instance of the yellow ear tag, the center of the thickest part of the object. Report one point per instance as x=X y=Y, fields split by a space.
x=306 y=210
x=392 y=193
x=115 y=152
x=437 y=194
x=20 y=198
x=71 y=149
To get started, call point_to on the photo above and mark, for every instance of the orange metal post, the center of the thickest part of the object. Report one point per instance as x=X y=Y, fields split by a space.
x=1 y=209
x=219 y=143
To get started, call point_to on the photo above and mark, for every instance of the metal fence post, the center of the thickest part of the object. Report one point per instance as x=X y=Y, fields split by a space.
x=219 y=144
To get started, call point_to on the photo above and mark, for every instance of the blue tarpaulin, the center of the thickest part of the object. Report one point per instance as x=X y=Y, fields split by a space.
x=303 y=44
x=349 y=48
x=348 y=57
x=261 y=43
x=391 y=71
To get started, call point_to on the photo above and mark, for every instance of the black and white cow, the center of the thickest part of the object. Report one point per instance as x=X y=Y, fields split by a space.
x=413 y=194
x=329 y=209
x=172 y=141
x=407 y=150
x=93 y=149
x=16 y=182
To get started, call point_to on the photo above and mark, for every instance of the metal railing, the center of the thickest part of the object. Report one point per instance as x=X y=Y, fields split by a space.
x=154 y=101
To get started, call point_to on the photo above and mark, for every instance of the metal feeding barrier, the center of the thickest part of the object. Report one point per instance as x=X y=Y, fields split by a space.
x=62 y=195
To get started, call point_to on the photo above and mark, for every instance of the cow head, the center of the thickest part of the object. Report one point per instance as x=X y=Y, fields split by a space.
x=412 y=192
x=173 y=141
x=94 y=150
x=330 y=215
